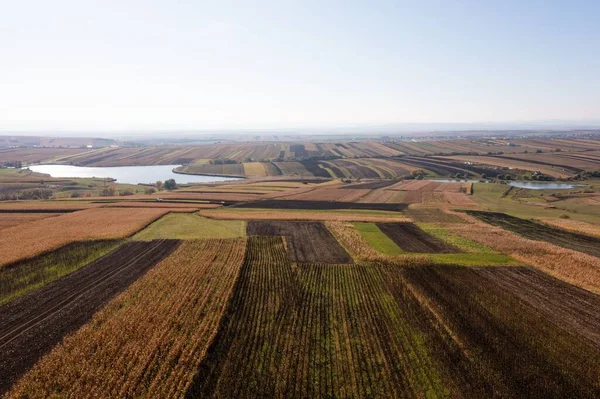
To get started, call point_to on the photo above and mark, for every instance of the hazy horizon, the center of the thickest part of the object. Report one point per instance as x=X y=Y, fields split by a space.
x=79 y=66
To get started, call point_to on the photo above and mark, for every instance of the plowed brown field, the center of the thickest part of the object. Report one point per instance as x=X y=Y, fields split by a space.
x=412 y=239
x=307 y=242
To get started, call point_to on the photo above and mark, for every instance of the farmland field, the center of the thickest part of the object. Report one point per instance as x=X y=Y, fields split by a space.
x=122 y=336
x=31 y=325
x=411 y=238
x=336 y=268
x=307 y=242
x=538 y=231
x=26 y=240
x=191 y=226
x=21 y=278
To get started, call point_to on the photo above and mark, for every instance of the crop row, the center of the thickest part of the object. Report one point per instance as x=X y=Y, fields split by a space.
x=148 y=341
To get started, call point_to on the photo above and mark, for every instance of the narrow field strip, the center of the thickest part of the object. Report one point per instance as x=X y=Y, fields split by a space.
x=34 y=238
x=537 y=231
x=148 y=341
x=571 y=266
x=377 y=239
x=32 y=325
x=22 y=278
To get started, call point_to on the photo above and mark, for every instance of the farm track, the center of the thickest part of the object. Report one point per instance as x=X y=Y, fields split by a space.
x=31 y=326
x=410 y=238
x=537 y=231
x=307 y=242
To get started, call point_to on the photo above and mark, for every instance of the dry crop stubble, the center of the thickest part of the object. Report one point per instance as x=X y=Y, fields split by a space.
x=568 y=265
x=148 y=341
x=27 y=240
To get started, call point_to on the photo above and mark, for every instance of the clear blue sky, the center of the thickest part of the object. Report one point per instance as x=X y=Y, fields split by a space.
x=267 y=64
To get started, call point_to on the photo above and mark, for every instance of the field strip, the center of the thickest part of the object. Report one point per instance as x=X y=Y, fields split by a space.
x=30 y=326
x=155 y=333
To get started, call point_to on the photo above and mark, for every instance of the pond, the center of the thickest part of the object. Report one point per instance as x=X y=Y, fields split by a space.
x=127 y=174
x=543 y=186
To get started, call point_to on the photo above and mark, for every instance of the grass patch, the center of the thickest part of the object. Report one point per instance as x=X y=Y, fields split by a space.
x=191 y=226
x=375 y=237
x=462 y=243
x=27 y=276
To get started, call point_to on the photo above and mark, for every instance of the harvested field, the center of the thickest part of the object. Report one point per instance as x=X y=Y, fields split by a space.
x=575 y=226
x=157 y=356
x=537 y=231
x=30 y=326
x=27 y=240
x=568 y=265
x=329 y=194
x=293 y=204
x=45 y=206
x=190 y=206
x=372 y=185
x=301 y=214
x=307 y=242
x=432 y=215
x=15 y=219
x=510 y=348
x=411 y=238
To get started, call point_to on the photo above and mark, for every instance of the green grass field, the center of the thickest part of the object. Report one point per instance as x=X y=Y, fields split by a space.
x=377 y=239
x=191 y=226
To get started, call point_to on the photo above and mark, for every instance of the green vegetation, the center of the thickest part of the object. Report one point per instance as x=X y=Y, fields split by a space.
x=191 y=226
x=462 y=243
x=375 y=237
x=30 y=275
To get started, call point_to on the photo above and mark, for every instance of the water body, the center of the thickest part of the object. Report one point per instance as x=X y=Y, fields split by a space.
x=127 y=174
x=544 y=186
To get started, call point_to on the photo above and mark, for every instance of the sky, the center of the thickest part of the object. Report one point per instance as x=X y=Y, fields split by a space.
x=118 y=65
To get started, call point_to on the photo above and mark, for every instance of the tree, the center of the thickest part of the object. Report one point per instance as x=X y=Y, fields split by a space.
x=150 y=190
x=159 y=185
x=170 y=184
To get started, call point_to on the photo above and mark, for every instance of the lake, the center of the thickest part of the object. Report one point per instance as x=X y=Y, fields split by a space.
x=127 y=174
x=543 y=186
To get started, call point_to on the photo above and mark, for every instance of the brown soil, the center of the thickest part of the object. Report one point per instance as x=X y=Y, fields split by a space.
x=32 y=325
x=291 y=204
x=571 y=308
x=411 y=238
x=307 y=242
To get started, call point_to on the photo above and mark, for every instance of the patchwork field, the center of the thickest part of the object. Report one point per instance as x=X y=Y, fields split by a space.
x=337 y=269
x=32 y=325
x=186 y=295
x=30 y=239
x=537 y=231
